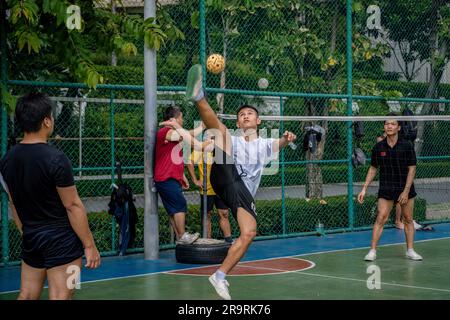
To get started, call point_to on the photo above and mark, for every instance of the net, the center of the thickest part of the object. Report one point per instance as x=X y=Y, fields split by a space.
x=304 y=191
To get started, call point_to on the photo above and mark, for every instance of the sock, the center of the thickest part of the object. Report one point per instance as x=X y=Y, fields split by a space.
x=220 y=275
x=200 y=95
x=373 y=250
x=410 y=250
x=229 y=239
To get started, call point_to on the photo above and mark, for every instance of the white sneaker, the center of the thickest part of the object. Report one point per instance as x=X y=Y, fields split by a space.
x=188 y=238
x=411 y=254
x=416 y=225
x=371 y=256
x=221 y=287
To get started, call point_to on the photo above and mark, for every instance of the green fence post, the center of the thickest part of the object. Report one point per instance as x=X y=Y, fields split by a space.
x=351 y=214
x=4 y=143
x=113 y=163
x=202 y=10
x=283 y=202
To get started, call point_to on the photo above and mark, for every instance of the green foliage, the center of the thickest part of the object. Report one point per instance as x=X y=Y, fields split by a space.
x=301 y=216
x=8 y=100
x=39 y=27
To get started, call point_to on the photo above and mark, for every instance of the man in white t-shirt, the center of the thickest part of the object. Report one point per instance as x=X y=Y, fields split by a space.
x=236 y=172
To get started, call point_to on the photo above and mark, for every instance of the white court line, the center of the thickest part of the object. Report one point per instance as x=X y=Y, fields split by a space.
x=279 y=271
x=291 y=256
x=383 y=283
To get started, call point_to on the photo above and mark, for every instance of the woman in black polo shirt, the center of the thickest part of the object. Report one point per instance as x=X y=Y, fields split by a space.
x=396 y=159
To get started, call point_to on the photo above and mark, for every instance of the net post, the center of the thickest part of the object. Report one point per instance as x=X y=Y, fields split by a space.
x=113 y=165
x=283 y=181
x=349 y=112
x=151 y=219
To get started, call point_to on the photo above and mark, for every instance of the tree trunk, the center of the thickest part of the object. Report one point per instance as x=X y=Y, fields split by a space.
x=437 y=53
x=314 y=179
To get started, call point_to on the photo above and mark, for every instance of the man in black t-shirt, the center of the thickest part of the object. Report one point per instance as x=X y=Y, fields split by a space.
x=45 y=205
x=396 y=159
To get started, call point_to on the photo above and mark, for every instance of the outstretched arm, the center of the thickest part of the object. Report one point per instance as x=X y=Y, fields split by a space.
x=196 y=131
x=287 y=138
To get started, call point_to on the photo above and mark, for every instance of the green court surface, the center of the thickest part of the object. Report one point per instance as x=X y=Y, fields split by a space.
x=336 y=275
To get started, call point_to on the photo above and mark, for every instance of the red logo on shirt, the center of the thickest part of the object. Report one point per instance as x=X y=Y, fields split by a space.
x=383 y=153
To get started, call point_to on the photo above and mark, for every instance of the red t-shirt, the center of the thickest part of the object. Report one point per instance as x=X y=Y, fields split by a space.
x=168 y=159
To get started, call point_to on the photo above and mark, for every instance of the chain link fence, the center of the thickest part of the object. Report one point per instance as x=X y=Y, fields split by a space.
x=287 y=58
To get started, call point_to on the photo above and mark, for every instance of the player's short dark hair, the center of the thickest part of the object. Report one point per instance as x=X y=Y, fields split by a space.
x=171 y=112
x=247 y=106
x=393 y=114
x=31 y=110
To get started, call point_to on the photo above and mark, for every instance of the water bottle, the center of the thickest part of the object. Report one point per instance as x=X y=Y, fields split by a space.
x=320 y=229
x=292 y=145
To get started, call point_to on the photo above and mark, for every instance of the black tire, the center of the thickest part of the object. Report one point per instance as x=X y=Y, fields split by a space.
x=201 y=253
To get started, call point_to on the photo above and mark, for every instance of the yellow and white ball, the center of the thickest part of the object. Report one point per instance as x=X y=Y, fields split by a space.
x=215 y=63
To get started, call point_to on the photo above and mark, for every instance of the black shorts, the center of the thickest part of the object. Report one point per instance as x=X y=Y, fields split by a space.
x=49 y=247
x=394 y=194
x=228 y=185
x=211 y=202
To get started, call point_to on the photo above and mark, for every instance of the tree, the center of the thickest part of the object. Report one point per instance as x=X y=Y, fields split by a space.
x=438 y=55
x=403 y=28
x=309 y=38
x=421 y=31
x=230 y=14
x=42 y=46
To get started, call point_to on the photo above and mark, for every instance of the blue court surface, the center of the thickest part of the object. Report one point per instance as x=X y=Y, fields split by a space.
x=334 y=257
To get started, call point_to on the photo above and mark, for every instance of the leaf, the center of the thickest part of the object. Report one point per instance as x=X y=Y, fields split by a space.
x=392 y=94
x=318 y=54
x=195 y=20
x=357 y=6
x=331 y=61
x=368 y=55
x=303 y=50
x=29 y=38
x=8 y=100
x=46 y=6
x=129 y=49
x=366 y=45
